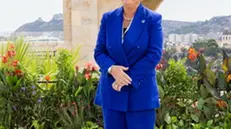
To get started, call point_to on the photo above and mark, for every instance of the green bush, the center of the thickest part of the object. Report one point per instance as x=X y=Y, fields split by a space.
x=52 y=93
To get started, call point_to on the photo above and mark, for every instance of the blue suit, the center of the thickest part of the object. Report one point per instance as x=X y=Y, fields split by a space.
x=141 y=51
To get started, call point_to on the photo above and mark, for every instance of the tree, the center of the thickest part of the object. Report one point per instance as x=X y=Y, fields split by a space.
x=210 y=47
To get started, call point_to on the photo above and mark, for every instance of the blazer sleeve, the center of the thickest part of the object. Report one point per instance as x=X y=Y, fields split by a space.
x=154 y=52
x=100 y=52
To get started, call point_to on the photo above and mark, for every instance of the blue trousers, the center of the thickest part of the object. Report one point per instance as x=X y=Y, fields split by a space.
x=129 y=120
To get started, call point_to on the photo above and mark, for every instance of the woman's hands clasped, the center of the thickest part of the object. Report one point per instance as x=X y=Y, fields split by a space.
x=121 y=78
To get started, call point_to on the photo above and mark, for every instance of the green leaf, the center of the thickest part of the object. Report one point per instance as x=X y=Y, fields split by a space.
x=181 y=104
x=174 y=126
x=210 y=101
x=211 y=64
x=209 y=123
x=3 y=78
x=9 y=81
x=17 y=84
x=200 y=103
x=174 y=119
x=167 y=118
x=208 y=112
x=195 y=117
x=210 y=76
x=161 y=92
x=196 y=126
x=78 y=91
x=202 y=64
x=3 y=88
x=203 y=91
x=221 y=80
x=181 y=123
x=211 y=89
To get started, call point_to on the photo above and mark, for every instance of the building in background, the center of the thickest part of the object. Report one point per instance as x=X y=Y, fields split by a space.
x=225 y=39
x=183 y=38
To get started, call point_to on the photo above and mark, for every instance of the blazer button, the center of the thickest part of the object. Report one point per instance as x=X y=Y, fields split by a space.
x=138 y=46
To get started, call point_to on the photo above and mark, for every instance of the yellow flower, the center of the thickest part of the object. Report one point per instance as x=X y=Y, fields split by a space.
x=228 y=78
x=225 y=64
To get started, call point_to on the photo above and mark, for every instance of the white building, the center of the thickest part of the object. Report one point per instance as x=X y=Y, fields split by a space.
x=172 y=38
x=225 y=40
x=179 y=38
x=182 y=38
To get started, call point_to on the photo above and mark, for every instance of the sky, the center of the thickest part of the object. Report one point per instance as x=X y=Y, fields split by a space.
x=14 y=13
x=194 y=10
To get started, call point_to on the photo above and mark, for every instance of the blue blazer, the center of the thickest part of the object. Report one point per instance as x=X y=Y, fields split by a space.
x=141 y=51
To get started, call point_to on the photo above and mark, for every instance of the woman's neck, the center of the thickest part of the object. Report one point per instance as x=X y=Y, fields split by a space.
x=129 y=10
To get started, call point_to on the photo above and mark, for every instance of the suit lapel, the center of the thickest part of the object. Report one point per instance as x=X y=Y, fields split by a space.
x=116 y=38
x=135 y=30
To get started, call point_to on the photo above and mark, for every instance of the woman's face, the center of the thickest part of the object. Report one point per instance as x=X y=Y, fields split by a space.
x=130 y=2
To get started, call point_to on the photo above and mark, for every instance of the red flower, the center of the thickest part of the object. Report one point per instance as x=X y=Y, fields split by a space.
x=4 y=59
x=47 y=78
x=221 y=104
x=88 y=66
x=15 y=63
x=193 y=56
x=18 y=72
x=94 y=68
x=191 y=50
x=159 y=66
x=11 y=46
x=87 y=76
x=77 y=68
x=11 y=53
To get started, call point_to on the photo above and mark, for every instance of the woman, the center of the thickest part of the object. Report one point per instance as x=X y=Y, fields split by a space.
x=128 y=48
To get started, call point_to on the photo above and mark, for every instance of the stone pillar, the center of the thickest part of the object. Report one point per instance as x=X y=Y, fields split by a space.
x=82 y=19
x=67 y=23
x=84 y=27
x=107 y=5
x=152 y=4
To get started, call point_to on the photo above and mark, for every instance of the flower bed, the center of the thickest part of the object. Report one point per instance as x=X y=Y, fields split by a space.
x=52 y=92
